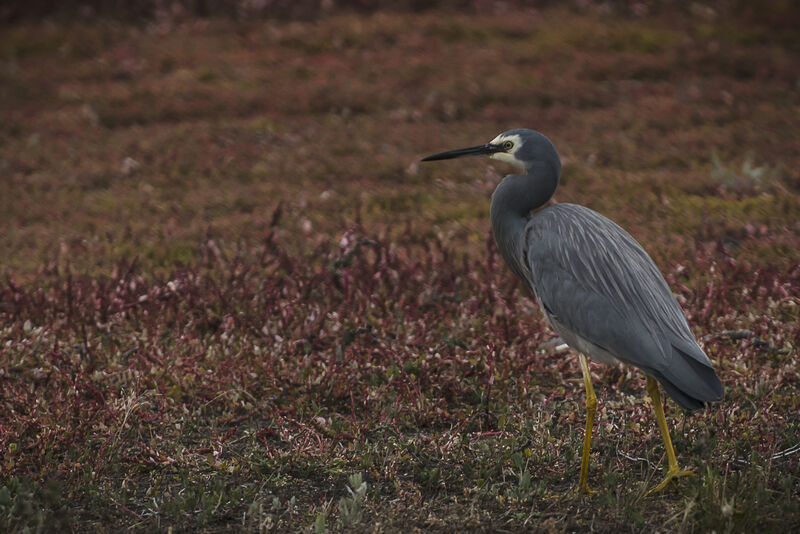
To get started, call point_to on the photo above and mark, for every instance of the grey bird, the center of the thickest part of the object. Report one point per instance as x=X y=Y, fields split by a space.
x=596 y=285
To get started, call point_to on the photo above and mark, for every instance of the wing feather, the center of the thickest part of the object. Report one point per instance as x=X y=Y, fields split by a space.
x=596 y=280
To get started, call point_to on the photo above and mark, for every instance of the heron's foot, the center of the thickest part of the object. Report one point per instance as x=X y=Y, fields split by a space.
x=575 y=493
x=583 y=489
x=578 y=491
x=673 y=474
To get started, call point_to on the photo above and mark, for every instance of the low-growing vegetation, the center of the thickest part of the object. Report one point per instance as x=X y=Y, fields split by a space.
x=233 y=300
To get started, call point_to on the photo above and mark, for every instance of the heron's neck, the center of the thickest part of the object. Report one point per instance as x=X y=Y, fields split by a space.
x=512 y=202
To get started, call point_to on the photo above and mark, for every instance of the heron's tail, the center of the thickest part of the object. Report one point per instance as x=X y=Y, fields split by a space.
x=689 y=382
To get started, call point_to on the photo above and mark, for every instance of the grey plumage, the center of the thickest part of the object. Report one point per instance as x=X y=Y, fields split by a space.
x=595 y=281
x=597 y=286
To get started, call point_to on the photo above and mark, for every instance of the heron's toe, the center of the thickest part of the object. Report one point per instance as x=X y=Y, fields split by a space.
x=578 y=491
x=673 y=474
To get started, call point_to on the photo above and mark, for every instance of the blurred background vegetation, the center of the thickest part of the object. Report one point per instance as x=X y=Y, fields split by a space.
x=776 y=13
x=228 y=288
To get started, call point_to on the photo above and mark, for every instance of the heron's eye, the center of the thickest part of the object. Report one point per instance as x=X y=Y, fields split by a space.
x=508 y=145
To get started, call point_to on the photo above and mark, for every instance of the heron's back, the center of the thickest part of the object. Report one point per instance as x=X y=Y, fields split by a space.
x=596 y=281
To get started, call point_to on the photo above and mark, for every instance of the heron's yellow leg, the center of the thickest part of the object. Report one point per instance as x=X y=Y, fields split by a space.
x=674 y=471
x=591 y=408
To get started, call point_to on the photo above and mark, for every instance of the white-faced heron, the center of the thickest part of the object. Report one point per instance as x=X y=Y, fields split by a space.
x=596 y=285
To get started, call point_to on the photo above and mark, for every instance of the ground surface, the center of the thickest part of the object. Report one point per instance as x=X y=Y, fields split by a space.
x=228 y=285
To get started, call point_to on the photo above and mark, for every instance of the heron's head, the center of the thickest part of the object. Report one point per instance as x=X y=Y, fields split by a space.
x=522 y=148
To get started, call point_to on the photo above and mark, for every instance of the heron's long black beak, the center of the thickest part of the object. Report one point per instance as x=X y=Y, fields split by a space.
x=482 y=150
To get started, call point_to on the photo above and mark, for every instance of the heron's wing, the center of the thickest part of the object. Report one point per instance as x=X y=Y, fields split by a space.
x=597 y=281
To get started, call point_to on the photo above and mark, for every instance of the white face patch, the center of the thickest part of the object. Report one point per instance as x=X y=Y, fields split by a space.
x=508 y=155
